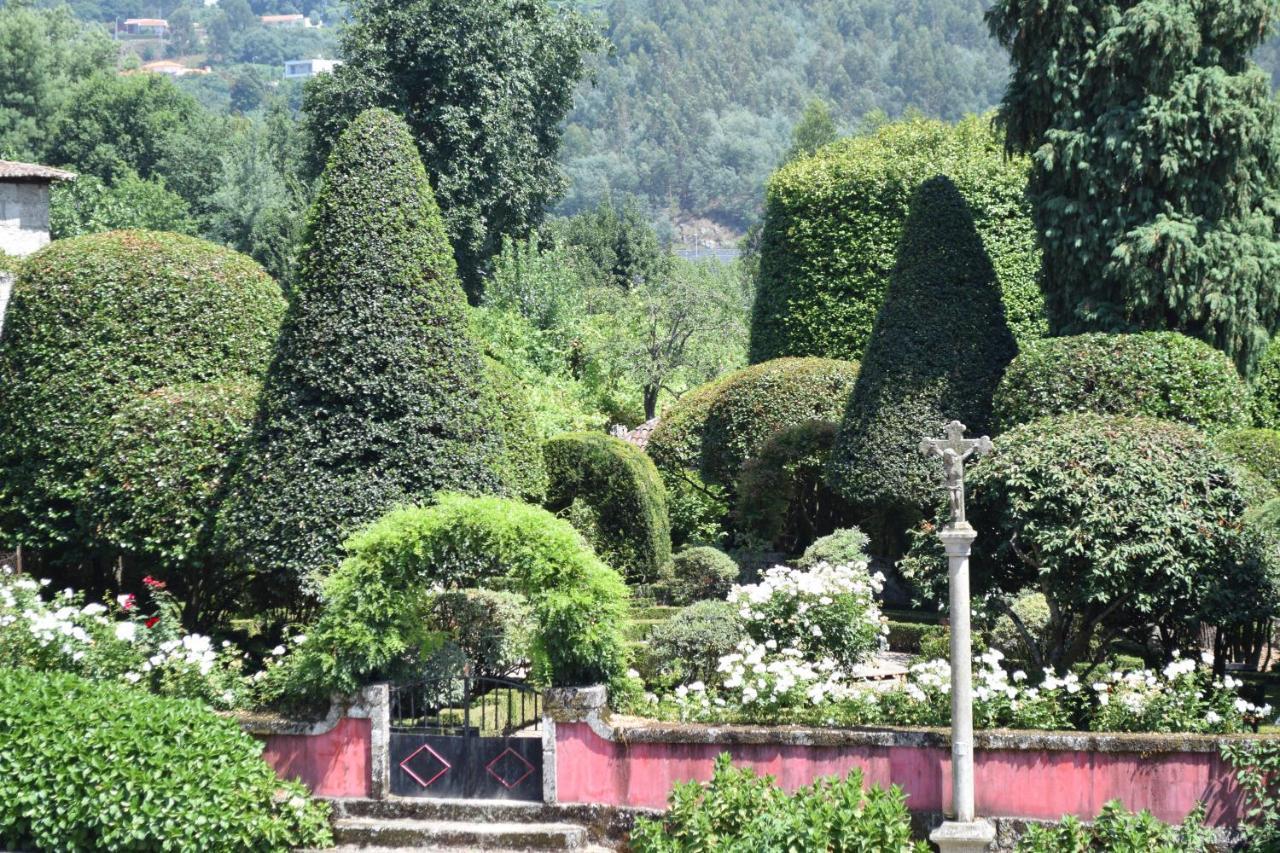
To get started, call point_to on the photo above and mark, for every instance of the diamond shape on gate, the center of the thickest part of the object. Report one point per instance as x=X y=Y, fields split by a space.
x=438 y=759
x=503 y=776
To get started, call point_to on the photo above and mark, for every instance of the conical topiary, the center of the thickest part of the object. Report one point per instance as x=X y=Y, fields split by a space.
x=938 y=349
x=375 y=397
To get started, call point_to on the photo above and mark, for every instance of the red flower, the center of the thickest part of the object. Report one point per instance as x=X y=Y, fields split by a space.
x=127 y=602
x=151 y=623
x=153 y=583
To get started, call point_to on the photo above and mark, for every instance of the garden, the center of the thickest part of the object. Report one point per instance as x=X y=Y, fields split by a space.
x=223 y=495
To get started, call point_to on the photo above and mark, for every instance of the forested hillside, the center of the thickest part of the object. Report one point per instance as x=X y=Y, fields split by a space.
x=697 y=103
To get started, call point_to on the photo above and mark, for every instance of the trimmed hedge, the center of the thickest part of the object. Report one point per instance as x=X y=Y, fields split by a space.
x=163 y=465
x=833 y=223
x=1157 y=374
x=520 y=464
x=1123 y=523
x=701 y=573
x=94 y=322
x=98 y=766
x=839 y=549
x=371 y=620
x=716 y=428
x=937 y=354
x=621 y=504
x=376 y=397
x=783 y=498
x=1256 y=449
x=912 y=637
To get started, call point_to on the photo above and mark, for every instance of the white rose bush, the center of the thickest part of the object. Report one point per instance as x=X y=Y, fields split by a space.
x=57 y=630
x=807 y=646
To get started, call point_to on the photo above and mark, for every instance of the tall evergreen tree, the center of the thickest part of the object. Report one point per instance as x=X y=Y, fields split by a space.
x=938 y=349
x=1154 y=140
x=374 y=396
x=815 y=129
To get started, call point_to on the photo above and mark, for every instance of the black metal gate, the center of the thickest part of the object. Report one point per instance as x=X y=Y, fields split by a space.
x=467 y=738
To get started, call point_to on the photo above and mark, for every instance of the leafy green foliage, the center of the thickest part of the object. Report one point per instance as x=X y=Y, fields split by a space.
x=91 y=766
x=839 y=549
x=1256 y=449
x=520 y=464
x=162 y=467
x=833 y=223
x=740 y=810
x=783 y=497
x=754 y=404
x=938 y=350
x=1019 y=632
x=1122 y=523
x=625 y=496
x=701 y=573
x=1120 y=831
x=1107 y=96
x=88 y=205
x=1157 y=374
x=688 y=646
x=484 y=87
x=815 y=129
x=1257 y=766
x=73 y=357
x=492 y=629
x=371 y=626
x=376 y=395
x=1264 y=389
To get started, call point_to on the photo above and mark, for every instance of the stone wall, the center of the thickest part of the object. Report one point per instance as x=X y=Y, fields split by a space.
x=24 y=217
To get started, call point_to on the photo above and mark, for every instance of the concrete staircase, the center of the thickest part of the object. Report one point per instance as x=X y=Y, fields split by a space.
x=470 y=825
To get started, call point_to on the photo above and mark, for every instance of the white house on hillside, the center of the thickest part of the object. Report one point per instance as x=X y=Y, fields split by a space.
x=24 y=213
x=299 y=69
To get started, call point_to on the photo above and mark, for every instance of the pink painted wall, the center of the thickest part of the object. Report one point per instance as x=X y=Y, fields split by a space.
x=337 y=763
x=1043 y=783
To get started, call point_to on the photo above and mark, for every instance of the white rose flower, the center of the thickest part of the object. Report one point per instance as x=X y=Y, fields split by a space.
x=126 y=631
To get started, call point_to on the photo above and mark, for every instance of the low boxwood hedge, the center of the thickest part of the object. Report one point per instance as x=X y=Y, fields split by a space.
x=98 y=766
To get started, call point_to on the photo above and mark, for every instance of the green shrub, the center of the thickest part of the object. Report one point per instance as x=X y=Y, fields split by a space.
x=1120 y=831
x=833 y=223
x=1264 y=389
x=1032 y=610
x=914 y=637
x=938 y=350
x=162 y=466
x=1157 y=374
x=1256 y=449
x=783 y=497
x=93 y=323
x=739 y=810
x=839 y=549
x=613 y=493
x=520 y=464
x=701 y=573
x=688 y=646
x=1257 y=770
x=376 y=396
x=492 y=629
x=92 y=766
x=371 y=623
x=1123 y=523
x=699 y=512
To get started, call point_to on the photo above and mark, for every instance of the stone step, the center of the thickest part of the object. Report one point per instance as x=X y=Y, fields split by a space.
x=406 y=833
x=504 y=811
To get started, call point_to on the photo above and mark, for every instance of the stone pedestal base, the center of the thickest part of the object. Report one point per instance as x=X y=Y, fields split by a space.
x=953 y=837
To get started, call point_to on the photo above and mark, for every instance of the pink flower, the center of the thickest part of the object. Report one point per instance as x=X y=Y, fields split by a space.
x=127 y=602
x=152 y=583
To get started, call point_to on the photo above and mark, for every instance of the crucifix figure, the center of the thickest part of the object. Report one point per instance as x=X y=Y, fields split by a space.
x=954 y=450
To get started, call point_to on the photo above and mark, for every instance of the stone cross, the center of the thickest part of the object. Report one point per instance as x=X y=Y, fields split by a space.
x=954 y=450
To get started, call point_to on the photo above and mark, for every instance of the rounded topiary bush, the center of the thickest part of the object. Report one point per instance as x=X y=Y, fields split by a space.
x=613 y=493
x=372 y=617
x=715 y=429
x=1125 y=524
x=162 y=466
x=688 y=646
x=783 y=498
x=1256 y=449
x=94 y=322
x=833 y=222
x=376 y=396
x=96 y=766
x=520 y=464
x=701 y=573
x=1157 y=374
x=840 y=548
x=938 y=351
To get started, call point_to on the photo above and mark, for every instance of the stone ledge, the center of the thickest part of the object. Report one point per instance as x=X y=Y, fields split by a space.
x=632 y=730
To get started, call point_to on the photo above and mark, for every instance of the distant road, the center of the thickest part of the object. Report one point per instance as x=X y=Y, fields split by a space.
x=724 y=254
